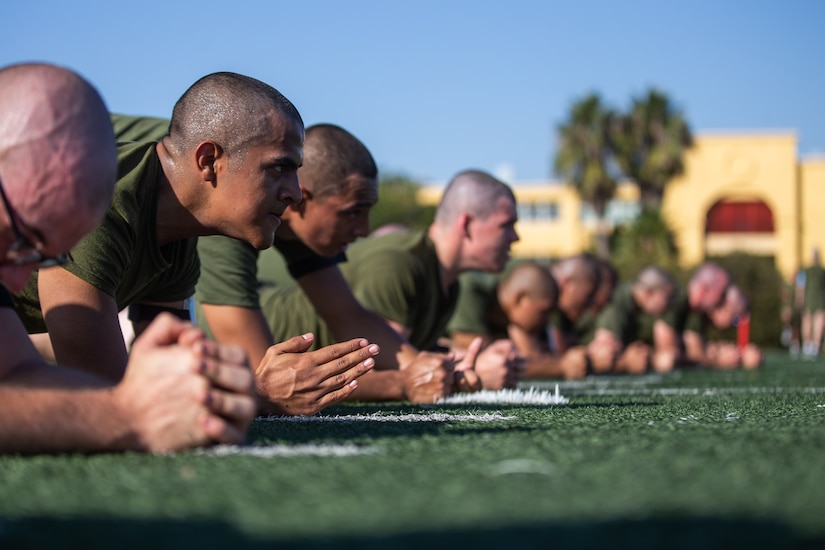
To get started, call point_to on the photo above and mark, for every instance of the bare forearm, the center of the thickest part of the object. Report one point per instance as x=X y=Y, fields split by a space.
x=396 y=351
x=83 y=324
x=240 y=326
x=543 y=365
x=347 y=318
x=70 y=412
x=695 y=349
x=96 y=348
x=43 y=345
x=385 y=385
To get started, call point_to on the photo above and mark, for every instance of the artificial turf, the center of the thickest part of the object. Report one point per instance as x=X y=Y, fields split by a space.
x=695 y=459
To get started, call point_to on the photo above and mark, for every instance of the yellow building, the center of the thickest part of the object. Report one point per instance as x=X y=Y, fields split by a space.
x=740 y=192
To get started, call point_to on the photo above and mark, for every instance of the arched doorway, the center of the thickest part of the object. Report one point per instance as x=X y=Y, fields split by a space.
x=739 y=225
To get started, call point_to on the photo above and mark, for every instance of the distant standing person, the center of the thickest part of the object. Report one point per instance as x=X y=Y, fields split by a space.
x=791 y=295
x=813 y=313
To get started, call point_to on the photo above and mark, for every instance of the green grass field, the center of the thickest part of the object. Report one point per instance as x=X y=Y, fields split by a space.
x=695 y=459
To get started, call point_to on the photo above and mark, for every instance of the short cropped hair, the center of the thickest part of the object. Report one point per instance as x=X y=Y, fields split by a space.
x=230 y=109
x=331 y=155
x=474 y=192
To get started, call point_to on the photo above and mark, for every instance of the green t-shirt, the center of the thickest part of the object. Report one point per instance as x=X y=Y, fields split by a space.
x=681 y=317
x=625 y=320
x=585 y=327
x=398 y=277
x=566 y=329
x=814 y=299
x=138 y=128
x=289 y=312
x=233 y=273
x=121 y=256
x=475 y=310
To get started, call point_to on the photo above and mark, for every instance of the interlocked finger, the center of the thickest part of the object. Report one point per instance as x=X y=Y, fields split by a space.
x=221 y=431
x=237 y=409
x=227 y=376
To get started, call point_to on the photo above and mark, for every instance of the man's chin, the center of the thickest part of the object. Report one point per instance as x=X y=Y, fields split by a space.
x=263 y=240
x=499 y=267
x=267 y=234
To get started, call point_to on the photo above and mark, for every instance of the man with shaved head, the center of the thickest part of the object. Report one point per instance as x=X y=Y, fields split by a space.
x=723 y=355
x=57 y=172
x=686 y=320
x=43 y=129
x=707 y=286
x=514 y=305
x=411 y=278
x=585 y=326
x=244 y=296
x=625 y=340
x=578 y=278
x=228 y=166
x=710 y=298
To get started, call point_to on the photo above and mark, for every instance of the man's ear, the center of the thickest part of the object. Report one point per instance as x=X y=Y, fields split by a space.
x=207 y=154
x=464 y=221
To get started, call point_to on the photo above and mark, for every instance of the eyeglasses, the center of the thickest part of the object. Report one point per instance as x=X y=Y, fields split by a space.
x=22 y=251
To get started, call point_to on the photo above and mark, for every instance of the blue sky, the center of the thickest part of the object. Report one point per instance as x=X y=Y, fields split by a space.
x=434 y=87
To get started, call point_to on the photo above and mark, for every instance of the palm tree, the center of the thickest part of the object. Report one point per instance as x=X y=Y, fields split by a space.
x=649 y=145
x=584 y=159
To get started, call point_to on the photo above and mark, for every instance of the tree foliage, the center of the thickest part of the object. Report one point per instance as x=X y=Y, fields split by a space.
x=648 y=240
x=649 y=143
x=584 y=158
x=598 y=145
x=397 y=204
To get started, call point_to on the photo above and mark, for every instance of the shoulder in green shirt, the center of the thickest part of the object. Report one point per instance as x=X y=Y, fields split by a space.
x=398 y=277
x=234 y=273
x=477 y=302
x=138 y=128
x=625 y=320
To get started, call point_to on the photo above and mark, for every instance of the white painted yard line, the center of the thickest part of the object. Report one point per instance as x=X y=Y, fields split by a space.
x=381 y=417
x=604 y=381
x=529 y=396
x=272 y=451
x=691 y=391
x=520 y=466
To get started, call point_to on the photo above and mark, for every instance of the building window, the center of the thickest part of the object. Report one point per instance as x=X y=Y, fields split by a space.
x=616 y=212
x=546 y=211
x=538 y=211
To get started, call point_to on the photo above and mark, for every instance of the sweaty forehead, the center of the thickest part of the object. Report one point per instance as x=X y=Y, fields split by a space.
x=282 y=126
